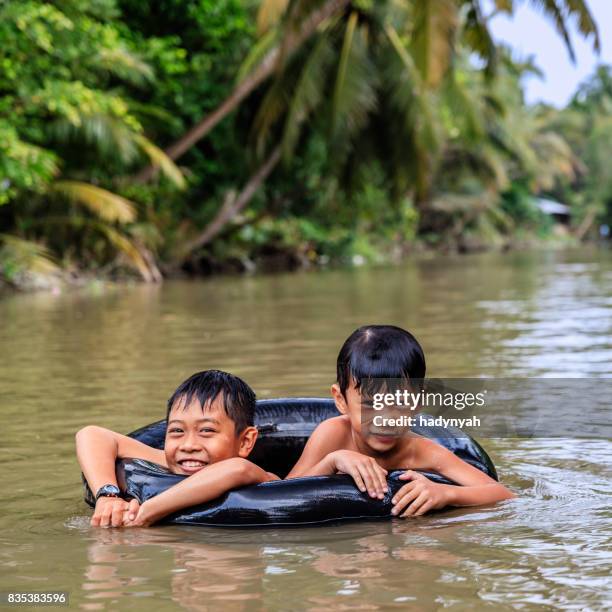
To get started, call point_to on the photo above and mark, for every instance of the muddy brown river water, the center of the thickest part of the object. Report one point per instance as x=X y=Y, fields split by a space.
x=111 y=356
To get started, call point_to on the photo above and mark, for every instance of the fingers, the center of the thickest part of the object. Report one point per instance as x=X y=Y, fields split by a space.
x=109 y=513
x=369 y=478
x=117 y=511
x=426 y=507
x=401 y=500
x=411 y=475
x=358 y=479
x=381 y=473
x=416 y=504
x=375 y=479
x=132 y=509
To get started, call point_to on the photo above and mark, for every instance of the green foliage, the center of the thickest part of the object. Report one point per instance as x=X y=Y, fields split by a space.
x=398 y=121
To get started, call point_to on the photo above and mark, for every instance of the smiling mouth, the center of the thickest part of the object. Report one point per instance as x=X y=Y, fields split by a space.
x=191 y=465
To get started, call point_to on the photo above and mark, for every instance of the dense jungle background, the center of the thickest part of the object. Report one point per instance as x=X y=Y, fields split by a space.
x=148 y=139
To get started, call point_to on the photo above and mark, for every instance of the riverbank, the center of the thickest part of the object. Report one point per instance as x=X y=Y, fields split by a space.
x=275 y=260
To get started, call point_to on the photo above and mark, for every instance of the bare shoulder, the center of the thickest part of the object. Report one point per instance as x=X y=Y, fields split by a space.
x=427 y=454
x=338 y=426
x=329 y=436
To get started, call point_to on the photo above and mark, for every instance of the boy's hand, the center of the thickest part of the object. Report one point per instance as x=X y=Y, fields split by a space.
x=109 y=512
x=366 y=472
x=138 y=515
x=131 y=512
x=422 y=494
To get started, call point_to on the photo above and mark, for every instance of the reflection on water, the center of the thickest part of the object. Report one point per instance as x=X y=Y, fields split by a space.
x=113 y=356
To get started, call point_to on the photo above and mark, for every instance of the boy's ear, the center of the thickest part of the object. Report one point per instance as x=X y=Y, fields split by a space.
x=247 y=441
x=339 y=399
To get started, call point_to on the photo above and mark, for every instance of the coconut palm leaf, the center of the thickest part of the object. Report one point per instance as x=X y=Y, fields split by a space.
x=433 y=38
x=354 y=94
x=258 y=52
x=475 y=34
x=102 y=203
x=561 y=11
x=123 y=64
x=411 y=98
x=26 y=255
x=159 y=159
x=269 y=14
x=308 y=93
x=271 y=109
x=128 y=248
x=344 y=58
x=110 y=136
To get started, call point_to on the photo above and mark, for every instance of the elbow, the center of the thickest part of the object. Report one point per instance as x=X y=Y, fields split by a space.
x=243 y=471
x=85 y=432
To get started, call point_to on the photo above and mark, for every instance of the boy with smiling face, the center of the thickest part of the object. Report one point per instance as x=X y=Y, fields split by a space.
x=209 y=436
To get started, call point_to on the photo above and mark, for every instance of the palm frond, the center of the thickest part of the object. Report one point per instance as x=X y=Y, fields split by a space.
x=465 y=104
x=308 y=92
x=562 y=11
x=271 y=110
x=476 y=35
x=21 y=255
x=433 y=38
x=413 y=100
x=257 y=53
x=269 y=14
x=102 y=203
x=109 y=135
x=125 y=65
x=129 y=249
x=343 y=63
x=551 y=9
x=494 y=163
x=354 y=94
x=586 y=24
x=160 y=160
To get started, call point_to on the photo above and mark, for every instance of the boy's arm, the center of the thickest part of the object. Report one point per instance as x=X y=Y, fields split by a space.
x=323 y=455
x=475 y=487
x=97 y=451
x=207 y=484
x=314 y=460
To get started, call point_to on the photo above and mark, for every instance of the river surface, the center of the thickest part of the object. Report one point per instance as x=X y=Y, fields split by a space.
x=112 y=356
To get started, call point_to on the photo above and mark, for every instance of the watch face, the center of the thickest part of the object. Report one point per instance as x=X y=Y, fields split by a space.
x=108 y=491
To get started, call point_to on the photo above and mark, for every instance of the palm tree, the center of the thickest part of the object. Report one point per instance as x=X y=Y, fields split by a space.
x=289 y=24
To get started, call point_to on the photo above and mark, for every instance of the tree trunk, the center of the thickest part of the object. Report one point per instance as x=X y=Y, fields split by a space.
x=232 y=206
x=584 y=227
x=245 y=87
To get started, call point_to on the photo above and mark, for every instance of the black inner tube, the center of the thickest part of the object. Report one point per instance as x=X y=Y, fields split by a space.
x=284 y=427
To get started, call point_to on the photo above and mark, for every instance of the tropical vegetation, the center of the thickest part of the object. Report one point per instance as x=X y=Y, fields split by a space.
x=203 y=135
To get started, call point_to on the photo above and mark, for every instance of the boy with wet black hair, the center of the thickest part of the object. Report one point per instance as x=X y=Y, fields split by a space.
x=343 y=444
x=209 y=436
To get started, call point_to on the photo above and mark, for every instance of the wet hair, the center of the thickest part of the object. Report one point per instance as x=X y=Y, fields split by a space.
x=379 y=351
x=238 y=397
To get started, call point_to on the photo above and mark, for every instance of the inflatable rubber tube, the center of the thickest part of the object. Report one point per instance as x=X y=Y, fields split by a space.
x=284 y=425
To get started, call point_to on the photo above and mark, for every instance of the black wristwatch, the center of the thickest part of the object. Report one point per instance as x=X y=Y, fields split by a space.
x=108 y=490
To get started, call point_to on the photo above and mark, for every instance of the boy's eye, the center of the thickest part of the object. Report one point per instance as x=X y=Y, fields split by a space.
x=207 y=430
x=175 y=430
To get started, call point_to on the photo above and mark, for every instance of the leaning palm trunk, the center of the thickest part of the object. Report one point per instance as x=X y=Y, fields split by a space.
x=232 y=205
x=259 y=75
